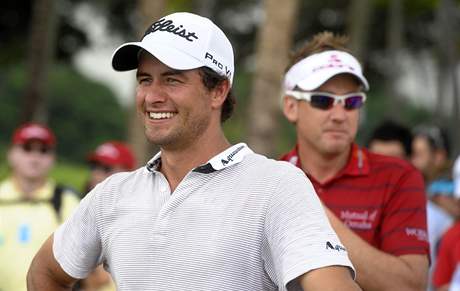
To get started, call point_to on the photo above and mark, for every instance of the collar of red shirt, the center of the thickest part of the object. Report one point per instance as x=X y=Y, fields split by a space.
x=357 y=165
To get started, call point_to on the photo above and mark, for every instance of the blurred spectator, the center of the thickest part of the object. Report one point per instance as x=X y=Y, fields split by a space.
x=431 y=156
x=391 y=139
x=449 y=248
x=32 y=205
x=430 y=152
x=108 y=158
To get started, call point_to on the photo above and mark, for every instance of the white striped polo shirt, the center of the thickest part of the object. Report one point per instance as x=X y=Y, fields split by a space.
x=239 y=222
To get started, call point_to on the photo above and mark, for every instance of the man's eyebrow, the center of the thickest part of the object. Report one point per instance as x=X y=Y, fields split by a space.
x=171 y=72
x=141 y=74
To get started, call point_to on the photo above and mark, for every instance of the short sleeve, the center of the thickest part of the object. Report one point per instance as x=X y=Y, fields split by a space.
x=76 y=244
x=299 y=236
x=404 y=224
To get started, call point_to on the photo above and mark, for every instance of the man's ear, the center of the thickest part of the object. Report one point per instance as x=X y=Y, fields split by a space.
x=220 y=93
x=290 y=108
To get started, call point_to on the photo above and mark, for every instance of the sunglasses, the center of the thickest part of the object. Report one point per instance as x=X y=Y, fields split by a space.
x=98 y=166
x=42 y=149
x=325 y=101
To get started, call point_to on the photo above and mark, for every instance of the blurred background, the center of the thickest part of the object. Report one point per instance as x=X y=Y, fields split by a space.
x=55 y=67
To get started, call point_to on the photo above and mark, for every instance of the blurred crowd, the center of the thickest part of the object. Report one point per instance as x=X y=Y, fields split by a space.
x=427 y=147
x=32 y=204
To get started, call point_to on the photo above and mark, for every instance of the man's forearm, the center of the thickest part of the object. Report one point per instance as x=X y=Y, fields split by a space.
x=377 y=270
x=45 y=273
x=39 y=279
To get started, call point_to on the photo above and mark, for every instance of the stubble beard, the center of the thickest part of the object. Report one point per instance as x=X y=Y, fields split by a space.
x=180 y=135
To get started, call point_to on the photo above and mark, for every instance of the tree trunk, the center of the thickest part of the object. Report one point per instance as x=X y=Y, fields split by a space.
x=274 y=41
x=359 y=16
x=394 y=48
x=42 y=38
x=448 y=87
x=148 y=12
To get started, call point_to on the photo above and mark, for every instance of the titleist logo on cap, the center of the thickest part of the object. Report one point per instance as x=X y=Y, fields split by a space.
x=169 y=26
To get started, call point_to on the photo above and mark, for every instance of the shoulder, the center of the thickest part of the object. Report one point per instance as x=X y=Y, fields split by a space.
x=381 y=161
x=267 y=167
x=7 y=190
x=391 y=166
x=119 y=185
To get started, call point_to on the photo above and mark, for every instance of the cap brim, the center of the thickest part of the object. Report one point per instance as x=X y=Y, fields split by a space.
x=321 y=77
x=125 y=57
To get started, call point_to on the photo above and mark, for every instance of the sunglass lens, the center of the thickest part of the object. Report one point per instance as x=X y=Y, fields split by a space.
x=353 y=102
x=98 y=166
x=321 y=101
x=41 y=149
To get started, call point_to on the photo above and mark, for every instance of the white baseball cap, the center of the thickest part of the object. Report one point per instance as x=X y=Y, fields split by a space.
x=311 y=72
x=182 y=41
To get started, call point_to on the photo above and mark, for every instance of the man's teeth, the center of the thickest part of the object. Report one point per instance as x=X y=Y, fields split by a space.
x=161 y=115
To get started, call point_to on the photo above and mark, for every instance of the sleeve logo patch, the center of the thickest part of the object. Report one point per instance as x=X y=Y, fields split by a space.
x=419 y=233
x=337 y=247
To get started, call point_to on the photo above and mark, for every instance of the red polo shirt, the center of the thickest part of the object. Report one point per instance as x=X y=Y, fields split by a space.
x=382 y=199
x=448 y=256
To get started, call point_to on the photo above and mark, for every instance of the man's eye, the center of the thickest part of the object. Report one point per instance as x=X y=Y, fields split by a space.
x=143 y=81
x=172 y=80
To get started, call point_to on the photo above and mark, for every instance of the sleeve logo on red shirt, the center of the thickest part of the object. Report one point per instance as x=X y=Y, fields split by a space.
x=419 y=233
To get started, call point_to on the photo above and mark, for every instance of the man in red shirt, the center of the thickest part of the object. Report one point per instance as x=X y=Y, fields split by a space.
x=375 y=203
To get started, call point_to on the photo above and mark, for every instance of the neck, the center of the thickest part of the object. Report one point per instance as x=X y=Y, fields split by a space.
x=27 y=186
x=177 y=162
x=320 y=166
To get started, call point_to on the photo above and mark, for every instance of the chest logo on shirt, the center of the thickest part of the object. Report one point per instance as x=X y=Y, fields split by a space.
x=358 y=219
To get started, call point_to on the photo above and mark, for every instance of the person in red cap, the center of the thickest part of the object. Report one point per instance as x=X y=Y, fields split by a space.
x=109 y=158
x=32 y=205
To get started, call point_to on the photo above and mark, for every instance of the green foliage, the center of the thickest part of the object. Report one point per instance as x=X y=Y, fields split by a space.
x=235 y=127
x=72 y=175
x=82 y=113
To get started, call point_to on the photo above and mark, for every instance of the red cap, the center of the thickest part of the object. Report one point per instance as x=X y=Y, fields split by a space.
x=114 y=153
x=34 y=131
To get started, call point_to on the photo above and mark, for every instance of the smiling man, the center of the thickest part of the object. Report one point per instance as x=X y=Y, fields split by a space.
x=375 y=203
x=202 y=214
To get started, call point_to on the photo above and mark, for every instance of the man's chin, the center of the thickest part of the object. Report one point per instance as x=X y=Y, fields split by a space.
x=336 y=148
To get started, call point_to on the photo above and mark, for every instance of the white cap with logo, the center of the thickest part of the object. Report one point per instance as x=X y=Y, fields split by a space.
x=182 y=41
x=311 y=72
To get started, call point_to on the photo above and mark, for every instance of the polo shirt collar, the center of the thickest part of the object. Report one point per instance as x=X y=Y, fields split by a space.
x=357 y=165
x=231 y=156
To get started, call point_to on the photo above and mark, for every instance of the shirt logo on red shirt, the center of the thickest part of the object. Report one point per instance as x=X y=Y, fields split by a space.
x=358 y=219
x=419 y=233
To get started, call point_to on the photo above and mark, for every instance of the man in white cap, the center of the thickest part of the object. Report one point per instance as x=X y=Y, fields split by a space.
x=203 y=214
x=375 y=203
